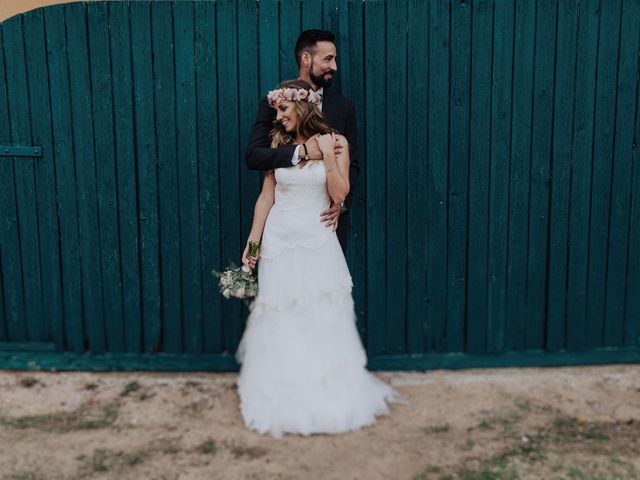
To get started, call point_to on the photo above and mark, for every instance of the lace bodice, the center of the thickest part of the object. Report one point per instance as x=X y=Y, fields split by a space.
x=294 y=220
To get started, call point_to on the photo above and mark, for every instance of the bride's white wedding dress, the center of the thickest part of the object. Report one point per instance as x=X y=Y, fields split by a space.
x=303 y=364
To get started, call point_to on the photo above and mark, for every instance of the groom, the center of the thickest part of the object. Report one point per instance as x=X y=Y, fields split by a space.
x=316 y=58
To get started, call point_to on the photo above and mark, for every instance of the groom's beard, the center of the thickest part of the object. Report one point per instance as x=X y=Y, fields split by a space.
x=320 y=81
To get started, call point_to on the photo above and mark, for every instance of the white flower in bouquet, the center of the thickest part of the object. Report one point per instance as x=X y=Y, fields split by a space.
x=239 y=282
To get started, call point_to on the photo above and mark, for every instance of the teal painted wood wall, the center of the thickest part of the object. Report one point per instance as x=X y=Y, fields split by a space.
x=496 y=221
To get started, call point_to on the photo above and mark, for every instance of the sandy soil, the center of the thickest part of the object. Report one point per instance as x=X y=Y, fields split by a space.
x=579 y=422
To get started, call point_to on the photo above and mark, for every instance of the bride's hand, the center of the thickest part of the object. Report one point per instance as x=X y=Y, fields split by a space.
x=326 y=143
x=249 y=261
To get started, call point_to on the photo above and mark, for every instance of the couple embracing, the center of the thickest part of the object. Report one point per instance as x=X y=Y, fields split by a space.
x=303 y=366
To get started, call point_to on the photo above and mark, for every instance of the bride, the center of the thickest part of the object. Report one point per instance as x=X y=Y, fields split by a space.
x=303 y=366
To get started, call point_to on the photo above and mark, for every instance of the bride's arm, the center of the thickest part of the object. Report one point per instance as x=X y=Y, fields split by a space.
x=265 y=201
x=336 y=166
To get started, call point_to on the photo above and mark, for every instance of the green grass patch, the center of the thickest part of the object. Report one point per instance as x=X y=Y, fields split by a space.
x=562 y=448
x=441 y=428
x=523 y=405
x=468 y=444
x=497 y=468
x=61 y=422
x=504 y=421
x=485 y=424
x=130 y=388
x=105 y=460
x=208 y=447
x=171 y=449
x=249 y=452
x=28 y=382
x=24 y=476
x=570 y=430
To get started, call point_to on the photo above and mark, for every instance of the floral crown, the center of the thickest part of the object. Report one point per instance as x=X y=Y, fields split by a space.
x=294 y=95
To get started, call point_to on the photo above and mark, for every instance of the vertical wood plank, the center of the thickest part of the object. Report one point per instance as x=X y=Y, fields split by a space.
x=48 y=231
x=623 y=166
x=13 y=294
x=632 y=306
x=209 y=161
x=6 y=177
x=458 y=195
x=330 y=14
x=331 y=21
x=231 y=243
x=311 y=14
x=605 y=116
x=147 y=161
x=396 y=174
x=25 y=186
x=581 y=176
x=249 y=95
x=375 y=85
x=188 y=176
x=65 y=177
x=85 y=162
x=269 y=45
x=417 y=68
x=479 y=151
x=517 y=311
x=168 y=215
x=545 y=42
x=126 y=160
x=352 y=67
x=102 y=107
x=437 y=174
x=501 y=89
x=289 y=26
x=562 y=151
x=343 y=46
x=4 y=336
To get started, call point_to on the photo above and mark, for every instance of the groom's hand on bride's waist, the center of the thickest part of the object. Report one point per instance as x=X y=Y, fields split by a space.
x=330 y=216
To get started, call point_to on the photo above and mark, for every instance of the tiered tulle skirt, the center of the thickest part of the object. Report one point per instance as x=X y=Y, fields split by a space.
x=303 y=364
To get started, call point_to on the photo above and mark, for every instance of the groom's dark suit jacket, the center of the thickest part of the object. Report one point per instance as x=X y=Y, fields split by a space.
x=340 y=114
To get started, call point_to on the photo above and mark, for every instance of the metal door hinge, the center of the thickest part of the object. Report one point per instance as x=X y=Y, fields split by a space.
x=13 y=151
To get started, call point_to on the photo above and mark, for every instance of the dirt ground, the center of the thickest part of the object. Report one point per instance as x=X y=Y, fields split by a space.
x=485 y=424
x=9 y=8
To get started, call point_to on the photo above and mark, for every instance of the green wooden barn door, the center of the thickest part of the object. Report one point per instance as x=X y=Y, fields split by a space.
x=502 y=182
x=495 y=222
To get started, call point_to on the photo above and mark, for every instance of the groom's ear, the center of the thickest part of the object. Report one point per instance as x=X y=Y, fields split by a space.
x=306 y=58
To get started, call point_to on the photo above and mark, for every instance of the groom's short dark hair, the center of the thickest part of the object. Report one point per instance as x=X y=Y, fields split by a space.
x=308 y=39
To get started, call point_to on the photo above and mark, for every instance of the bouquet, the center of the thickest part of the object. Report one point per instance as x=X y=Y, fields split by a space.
x=239 y=282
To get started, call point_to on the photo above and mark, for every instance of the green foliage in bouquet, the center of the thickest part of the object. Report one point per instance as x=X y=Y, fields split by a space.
x=239 y=282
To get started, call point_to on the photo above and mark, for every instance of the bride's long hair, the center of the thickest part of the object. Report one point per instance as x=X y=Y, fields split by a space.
x=310 y=119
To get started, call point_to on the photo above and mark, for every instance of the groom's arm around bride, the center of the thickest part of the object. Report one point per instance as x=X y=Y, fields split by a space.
x=316 y=57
